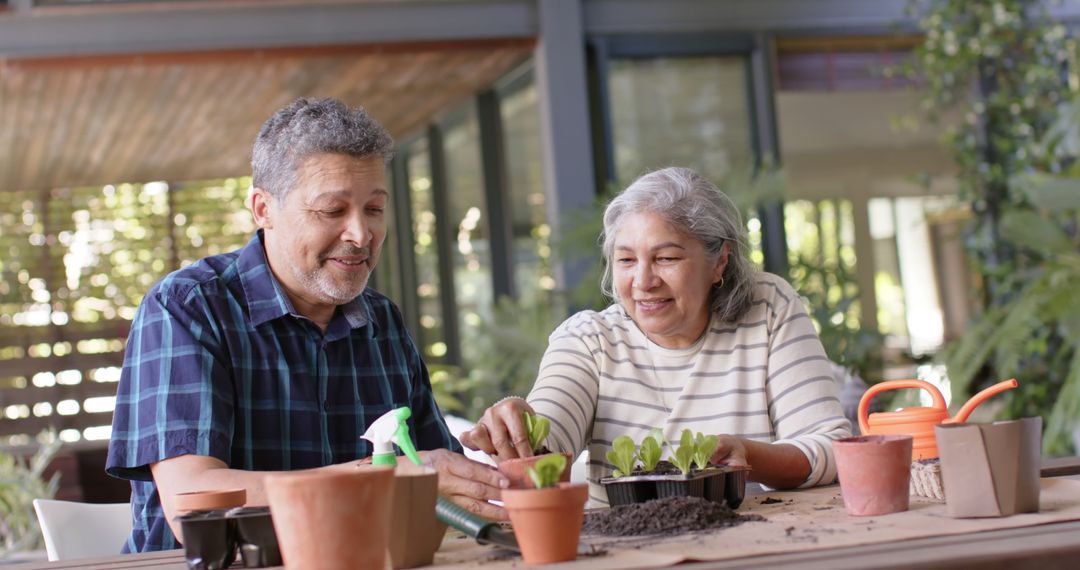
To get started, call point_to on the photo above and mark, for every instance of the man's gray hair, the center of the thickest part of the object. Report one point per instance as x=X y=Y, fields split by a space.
x=696 y=206
x=308 y=127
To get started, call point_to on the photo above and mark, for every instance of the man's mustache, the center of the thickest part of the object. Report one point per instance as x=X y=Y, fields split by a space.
x=348 y=252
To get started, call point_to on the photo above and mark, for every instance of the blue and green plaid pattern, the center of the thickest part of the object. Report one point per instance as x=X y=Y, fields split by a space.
x=219 y=364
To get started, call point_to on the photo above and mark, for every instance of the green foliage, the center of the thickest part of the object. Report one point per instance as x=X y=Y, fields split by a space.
x=683 y=457
x=999 y=67
x=623 y=456
x=538 y=428
x=650 y=450
x=704 y=448
x=831 y=293
x=20 y=484
x=547 y=470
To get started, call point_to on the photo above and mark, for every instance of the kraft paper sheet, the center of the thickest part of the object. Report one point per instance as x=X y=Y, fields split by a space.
x=805 y=520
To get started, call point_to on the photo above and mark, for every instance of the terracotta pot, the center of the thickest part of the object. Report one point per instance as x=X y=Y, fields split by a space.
x=333 y=520
x=875 y=473
x=547 y=522
x=517 y=470
x=415 y=534
x=209 y=500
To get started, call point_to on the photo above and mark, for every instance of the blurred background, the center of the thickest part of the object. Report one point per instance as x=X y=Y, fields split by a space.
x=909 y=166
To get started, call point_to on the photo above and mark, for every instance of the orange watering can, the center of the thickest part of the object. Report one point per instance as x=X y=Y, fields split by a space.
x=919 y=422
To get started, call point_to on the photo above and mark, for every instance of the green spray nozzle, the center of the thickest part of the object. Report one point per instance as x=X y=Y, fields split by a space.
x=391 y=428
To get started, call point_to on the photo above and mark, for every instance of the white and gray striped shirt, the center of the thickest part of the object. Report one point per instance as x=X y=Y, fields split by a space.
x=764 y=378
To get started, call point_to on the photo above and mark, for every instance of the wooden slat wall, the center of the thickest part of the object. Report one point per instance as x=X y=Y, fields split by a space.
x=88 y=121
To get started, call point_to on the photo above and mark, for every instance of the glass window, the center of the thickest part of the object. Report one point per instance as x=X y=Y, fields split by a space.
x=532 y=234
x=471 y=252
x=432 y=339
x=689 y=112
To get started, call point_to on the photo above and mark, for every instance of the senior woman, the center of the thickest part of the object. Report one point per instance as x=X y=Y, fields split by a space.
x=696 y=338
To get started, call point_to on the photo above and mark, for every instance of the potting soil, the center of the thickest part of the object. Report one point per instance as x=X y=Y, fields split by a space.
x=667 y=516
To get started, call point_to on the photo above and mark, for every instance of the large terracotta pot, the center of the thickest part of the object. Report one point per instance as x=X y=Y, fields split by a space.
x=333 y=520
x=547 y=522
x=517 y=470
x=875 y=473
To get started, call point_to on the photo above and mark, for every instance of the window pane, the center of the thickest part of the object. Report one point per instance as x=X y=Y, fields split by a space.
x=532 y=244
x=680 y=112
x=468 y=219
x=432 y=339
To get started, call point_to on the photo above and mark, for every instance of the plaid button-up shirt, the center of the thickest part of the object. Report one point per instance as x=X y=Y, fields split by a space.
x=219 y=364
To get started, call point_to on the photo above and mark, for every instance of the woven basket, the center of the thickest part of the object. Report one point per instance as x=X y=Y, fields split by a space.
x=926 y=479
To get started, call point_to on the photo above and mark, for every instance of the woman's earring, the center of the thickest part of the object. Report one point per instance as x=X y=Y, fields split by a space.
x=721 y=284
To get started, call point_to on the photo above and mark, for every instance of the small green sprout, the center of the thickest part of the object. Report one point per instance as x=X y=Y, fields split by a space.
x=651 y=448
x=683 y=457
x=704 y=448
x=623 y=455
x=538 y=428
x=547 y=470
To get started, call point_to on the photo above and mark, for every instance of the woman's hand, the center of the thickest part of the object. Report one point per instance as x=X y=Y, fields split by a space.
x=780 y=466
x=731 y=451
x=501 y=431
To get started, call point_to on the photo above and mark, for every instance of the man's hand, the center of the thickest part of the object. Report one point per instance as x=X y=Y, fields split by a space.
x=468 y=483
x=501 y=432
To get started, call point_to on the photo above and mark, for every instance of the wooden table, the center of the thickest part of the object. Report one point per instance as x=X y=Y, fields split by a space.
x=1044 y=547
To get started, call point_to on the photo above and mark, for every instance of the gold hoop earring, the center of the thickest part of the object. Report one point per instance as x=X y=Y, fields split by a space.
x=720 y=285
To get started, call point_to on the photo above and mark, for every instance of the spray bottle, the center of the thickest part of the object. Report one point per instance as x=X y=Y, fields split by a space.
x=390 y=429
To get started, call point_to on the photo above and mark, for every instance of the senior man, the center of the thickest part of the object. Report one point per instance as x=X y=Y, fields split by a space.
x=277 y=356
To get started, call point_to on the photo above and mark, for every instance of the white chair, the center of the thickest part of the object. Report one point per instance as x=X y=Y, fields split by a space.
x=78 y=530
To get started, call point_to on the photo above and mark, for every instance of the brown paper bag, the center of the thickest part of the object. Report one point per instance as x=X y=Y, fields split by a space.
x=990 y=470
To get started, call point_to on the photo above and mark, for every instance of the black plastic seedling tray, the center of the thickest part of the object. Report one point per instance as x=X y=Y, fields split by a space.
x=714 y=483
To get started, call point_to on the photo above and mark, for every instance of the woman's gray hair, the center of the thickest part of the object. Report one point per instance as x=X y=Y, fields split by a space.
x=694 y=205
x=308 y=127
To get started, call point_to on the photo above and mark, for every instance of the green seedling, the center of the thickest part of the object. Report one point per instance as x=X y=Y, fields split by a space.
x=547 y=470
x=538 y=428
x=704 y=448
x=683 y=457
x=651 y=448
x=623 y=455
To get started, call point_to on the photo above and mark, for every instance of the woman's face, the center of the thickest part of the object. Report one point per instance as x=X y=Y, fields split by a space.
x=663 y=277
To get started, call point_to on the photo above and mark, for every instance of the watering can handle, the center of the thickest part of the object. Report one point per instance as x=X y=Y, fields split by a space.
x=864 y=403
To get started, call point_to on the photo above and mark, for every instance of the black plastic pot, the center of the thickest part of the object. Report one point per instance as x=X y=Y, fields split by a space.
x=211 y=538
x=714 y=483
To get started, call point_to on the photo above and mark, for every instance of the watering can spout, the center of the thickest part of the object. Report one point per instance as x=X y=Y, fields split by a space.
x=969 y=406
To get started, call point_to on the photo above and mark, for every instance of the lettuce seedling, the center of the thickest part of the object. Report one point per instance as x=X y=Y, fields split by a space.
x=651 y=448
x=704 y=448
x=547 y=470
x=623 y=455
x=683 y=457
x=538 y=428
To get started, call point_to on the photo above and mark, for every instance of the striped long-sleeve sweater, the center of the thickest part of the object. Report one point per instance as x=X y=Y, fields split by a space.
x=764 y=378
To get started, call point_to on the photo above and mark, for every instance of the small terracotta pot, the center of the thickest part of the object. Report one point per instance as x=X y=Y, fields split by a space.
x=547 y=522
x=875 y=473
x=209 y=500
x=517 y=470
x=333 y=520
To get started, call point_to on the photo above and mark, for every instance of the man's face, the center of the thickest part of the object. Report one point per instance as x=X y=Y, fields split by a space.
x=324 y=239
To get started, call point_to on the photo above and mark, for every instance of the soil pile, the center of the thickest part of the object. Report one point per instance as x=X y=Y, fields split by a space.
x=667 y=516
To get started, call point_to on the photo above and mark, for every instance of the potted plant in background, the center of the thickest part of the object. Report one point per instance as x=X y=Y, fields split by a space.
x=517 y=470
x=687 y=471
x=547 y=519
x=21 y=482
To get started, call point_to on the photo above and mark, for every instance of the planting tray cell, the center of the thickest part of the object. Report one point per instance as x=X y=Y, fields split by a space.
x=689 y=487
x=627 y=492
